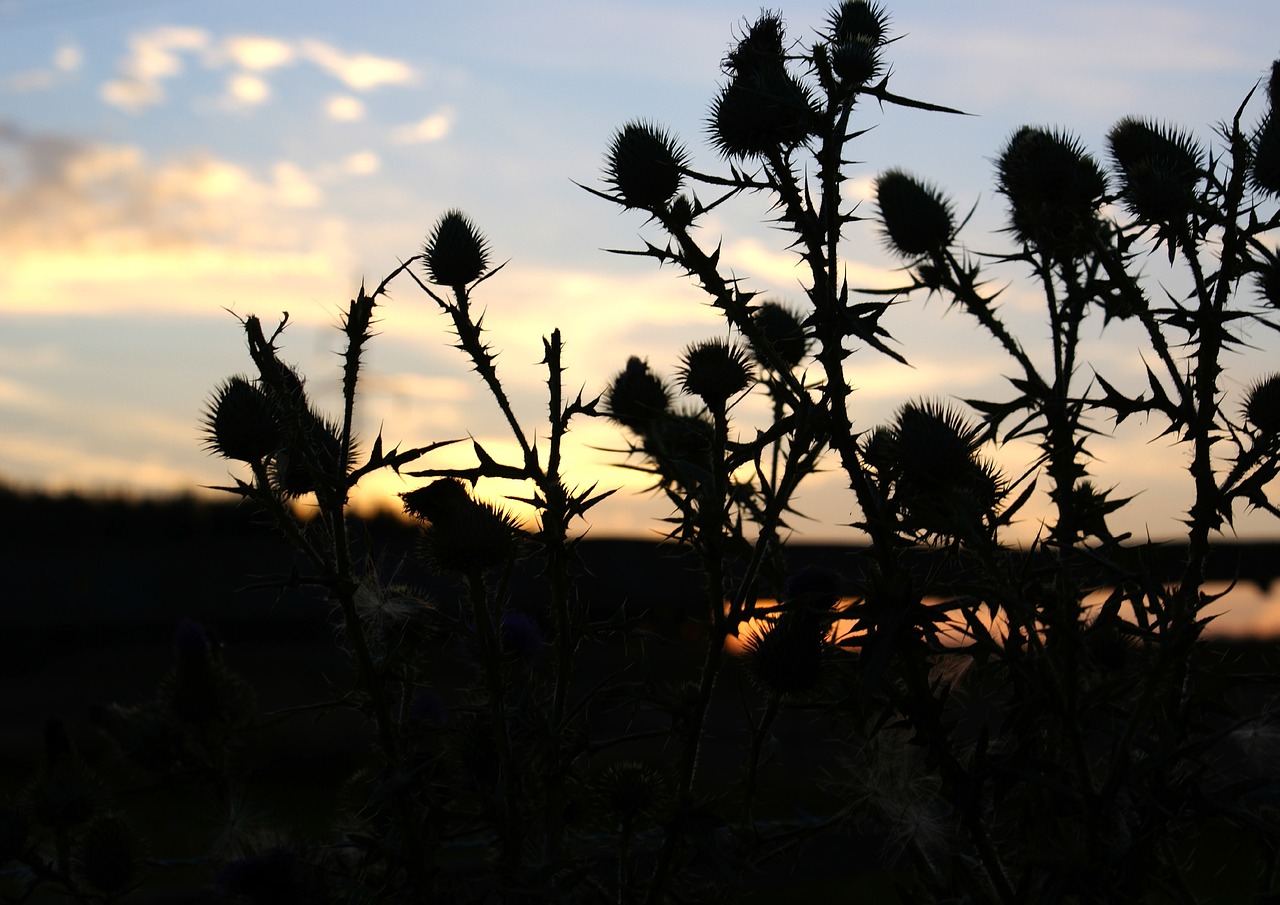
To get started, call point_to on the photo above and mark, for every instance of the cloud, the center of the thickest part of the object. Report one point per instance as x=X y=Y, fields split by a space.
x=361 y=163
x=77 y=217
x=428 y=129
x=344 y=108
x=154 y=56
x=360 y=71
x=257 y=53
x=247 y=90
x=66 y=60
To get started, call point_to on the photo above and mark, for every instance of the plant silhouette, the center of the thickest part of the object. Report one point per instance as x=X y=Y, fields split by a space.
x=976 y=731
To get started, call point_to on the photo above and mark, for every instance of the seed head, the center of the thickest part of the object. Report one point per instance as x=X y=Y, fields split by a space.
x=918 y=220
x=714 y=371
x=644 y=165
x=762 y=49
x=456 y=252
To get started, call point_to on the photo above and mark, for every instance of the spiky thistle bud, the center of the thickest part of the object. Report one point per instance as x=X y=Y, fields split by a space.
x=629 y=791
x=761 y=50
x=1262 y=406
x=644 y=165
x=1160 y=168
x=637 y=396
x=942 y=485
x=714 y=371
x=918 y=220
x=1268 y=280
x=1265 y=164
x=308 y=462
x=782 y=330
x=240 y=422
x=857 y=31
x=758 y=114
x=109 y=856
x=462 y=534
x=457 y=254
x=1054 y=189
x=784 y=656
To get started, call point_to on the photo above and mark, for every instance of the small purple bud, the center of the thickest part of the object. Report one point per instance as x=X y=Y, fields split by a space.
x=191 y=641
x=521 y=636
x=427 y=707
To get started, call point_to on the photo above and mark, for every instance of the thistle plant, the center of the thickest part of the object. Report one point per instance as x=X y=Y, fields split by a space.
x=982 y=730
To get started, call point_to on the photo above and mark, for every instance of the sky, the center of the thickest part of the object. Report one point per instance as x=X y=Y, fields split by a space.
x=168 y=167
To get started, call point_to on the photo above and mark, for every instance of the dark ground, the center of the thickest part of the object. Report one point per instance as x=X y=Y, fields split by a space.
x=92 y=591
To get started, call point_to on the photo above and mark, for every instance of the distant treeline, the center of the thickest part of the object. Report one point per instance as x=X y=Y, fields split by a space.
x=82 y=564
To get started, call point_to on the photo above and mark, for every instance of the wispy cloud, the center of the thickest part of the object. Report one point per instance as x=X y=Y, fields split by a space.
x=66 y=61
x=344 y=108
x=358 y=71
x=154 y=56
x=430 y=128
x=258 y=53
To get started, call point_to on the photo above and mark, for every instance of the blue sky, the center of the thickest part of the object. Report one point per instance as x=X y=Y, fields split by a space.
x=163 y=161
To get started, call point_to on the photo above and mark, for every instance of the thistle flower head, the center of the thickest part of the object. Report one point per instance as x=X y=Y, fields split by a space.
x=1262 y=406
x=629 y=791
x=783 y=331
x=762 y=49
x=757 y=114
x=1160 y=168
x=1054 y=189
x=309 y=460
x=941 y=483
x=1264 y=166
x=637 y=396
x=918 y=221
x=857 y=30
x=456 y=252
x=858 y=20
x=1267 y=280
x=714 y=371
x=240 y=422
x=462 y=534
x=644 y=165
x=784 y=657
